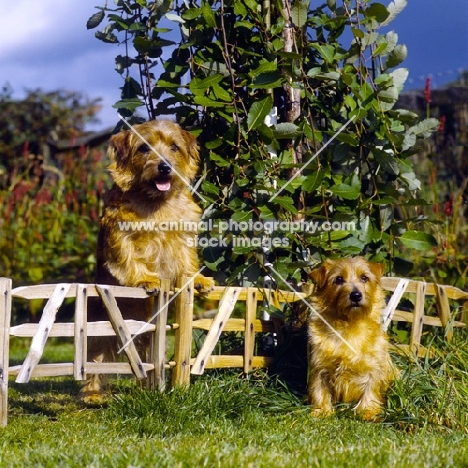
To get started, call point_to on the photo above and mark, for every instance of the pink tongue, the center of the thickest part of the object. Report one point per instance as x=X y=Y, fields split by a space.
x=163 y=186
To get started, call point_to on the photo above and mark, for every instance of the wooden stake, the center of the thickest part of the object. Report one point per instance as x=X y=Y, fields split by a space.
x=418 y=319
x=80 y=332
x=5 y=319
x=249 y=333
x=443 y=309
x=183 y=334
x=157 y=379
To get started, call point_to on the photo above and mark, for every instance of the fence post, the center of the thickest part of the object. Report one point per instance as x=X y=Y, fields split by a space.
x=81 y=333
x=183 y=334
x=418 y=319
x=157 y=378
x=5 y=319
x=249 y=332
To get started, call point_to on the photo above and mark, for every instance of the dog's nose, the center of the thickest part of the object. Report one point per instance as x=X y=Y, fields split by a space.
x=164 y=168
x=355 y=296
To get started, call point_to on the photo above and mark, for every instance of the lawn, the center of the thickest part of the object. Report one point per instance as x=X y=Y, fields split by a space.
x=225 y=420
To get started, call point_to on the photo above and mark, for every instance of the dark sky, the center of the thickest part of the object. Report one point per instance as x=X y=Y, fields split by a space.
x=44 y=43
x=436 y=34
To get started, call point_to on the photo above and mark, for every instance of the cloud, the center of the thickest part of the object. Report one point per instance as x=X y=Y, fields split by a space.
x=45 y=44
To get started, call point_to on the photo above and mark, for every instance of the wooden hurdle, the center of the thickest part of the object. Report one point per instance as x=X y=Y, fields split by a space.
x=424 y=295
x=184 y=364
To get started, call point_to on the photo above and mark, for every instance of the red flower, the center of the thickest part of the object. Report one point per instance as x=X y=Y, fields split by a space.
x=448 y=206
x=442 y=124
x=427 y=89
x=43 y=197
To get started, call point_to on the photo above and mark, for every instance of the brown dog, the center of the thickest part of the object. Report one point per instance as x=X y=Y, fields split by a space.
x=152 y=164
x=349 y=360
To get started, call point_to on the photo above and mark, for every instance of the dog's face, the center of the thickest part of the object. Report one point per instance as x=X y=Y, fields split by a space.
x=347 y=286
x=161 y=163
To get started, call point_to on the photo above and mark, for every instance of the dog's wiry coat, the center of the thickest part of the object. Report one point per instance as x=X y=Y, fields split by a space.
x=151 y=176
x=349 y=360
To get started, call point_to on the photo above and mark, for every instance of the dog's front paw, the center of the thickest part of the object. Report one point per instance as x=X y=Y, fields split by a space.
x=322 y=412
x=152 y=287
x=94 y=399
x=203 y=284
x=371 y=414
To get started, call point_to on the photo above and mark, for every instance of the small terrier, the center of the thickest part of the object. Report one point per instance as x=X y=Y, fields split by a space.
x=152 y=165
x=348 y=351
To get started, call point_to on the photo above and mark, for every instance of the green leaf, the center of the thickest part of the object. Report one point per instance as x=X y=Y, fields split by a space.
x=312 y=182
x=208 y=14
x=130 y=104
x=268 y=80
x=399 y=76
x=207 y=102
x=418 y=240
x=391 y=40
x=212 y=68
x=346 y=191
x=210 y=187
x=265 y=66
x=122 y=63
x=408 y=141
x=222 y=94
x=107 y=37
x=397 y=56
x=386 y=216
x=258 y=111
x=394 y=8
x=333 y=76
x=174 y=17
x=299 y=12
x=389 y=95
x=95 y=20
x=411 y=180
x=285 y=130
x=425 y=127
x=150 y=47
x=348 y=138
x=377 y=11
x=388 y=162
x=326 y=51
x=286 y=203
x=201 y=85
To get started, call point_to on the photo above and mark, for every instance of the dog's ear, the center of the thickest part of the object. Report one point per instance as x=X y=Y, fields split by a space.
x=319 y=275
x=377 y=269
x=191 y=145
x=120 y=147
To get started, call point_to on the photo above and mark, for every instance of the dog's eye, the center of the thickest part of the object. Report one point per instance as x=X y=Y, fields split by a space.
x=174 y=148
x=339 y=280
x=364 y=279
x=143 y=148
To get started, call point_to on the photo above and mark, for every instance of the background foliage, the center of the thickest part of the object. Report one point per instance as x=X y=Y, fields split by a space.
x=222 y=67
x=49 y=203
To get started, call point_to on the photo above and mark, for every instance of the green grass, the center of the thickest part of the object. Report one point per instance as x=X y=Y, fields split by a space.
x=223 y=420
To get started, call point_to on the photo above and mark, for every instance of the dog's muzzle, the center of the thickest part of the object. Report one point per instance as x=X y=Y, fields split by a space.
x=164 y=168
x=163 y=182
x=355 y=297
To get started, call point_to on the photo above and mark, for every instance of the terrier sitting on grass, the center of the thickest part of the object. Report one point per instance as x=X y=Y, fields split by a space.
x=349 y=360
